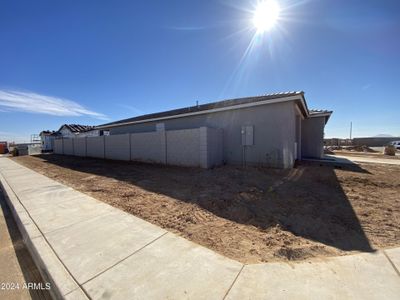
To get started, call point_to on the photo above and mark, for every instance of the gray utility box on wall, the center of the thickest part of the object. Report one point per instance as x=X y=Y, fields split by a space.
x=248 y=135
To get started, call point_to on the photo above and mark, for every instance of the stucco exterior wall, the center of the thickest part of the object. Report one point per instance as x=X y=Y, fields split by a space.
x=47 y=142
x=274 y=132
x=68 y=146
x=214 y=147
x=89 y=133
x=312 y=135
x=95 y=146
x=117 y=147
x=148 y=147
x=66 y=133
x=80 y=147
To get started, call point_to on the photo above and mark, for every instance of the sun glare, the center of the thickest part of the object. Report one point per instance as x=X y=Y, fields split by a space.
x=266 y=15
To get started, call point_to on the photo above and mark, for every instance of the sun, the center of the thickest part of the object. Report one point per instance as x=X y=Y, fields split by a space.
x=266 y=15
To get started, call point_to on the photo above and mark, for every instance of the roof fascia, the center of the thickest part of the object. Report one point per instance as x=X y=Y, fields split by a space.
x=318 y=115
x=213 y=110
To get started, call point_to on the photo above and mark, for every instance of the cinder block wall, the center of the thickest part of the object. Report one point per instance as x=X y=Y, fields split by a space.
x=200 y=147
x=68 y=146
x=117 y=147
x=95 y=146
x=58 y=146
x=80 y=146
x=149 y=147
x=183 y=147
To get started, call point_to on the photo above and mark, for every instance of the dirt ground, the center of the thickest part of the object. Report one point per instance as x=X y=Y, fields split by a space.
x=364 y=154
x=252 y=214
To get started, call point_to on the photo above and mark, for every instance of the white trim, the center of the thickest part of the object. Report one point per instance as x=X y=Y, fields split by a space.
x=299 y=112
x=285 y=99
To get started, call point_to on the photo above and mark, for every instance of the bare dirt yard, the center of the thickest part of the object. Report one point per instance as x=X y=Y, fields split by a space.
x=368 y=152
x=251 y=214
x=365 y=154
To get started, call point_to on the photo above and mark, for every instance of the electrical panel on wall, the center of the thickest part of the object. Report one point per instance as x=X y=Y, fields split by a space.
x=160 y=126
x=247 y=135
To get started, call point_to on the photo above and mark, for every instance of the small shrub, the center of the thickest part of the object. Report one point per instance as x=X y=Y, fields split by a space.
x=390 y=150
x=14 y=152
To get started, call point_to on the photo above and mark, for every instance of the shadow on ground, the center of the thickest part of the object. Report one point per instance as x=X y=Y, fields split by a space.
x=307 y=200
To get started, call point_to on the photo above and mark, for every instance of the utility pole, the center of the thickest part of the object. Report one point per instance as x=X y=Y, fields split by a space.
x=351 y=130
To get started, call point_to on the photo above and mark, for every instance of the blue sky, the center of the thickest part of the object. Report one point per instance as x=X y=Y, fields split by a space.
x=88 y=62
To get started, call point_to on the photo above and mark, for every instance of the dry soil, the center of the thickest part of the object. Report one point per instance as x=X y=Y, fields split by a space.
x=252 y=214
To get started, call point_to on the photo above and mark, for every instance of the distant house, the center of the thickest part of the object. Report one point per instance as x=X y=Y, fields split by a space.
x=272 y=130
x=47 y=137
x=47 y=140
x=75 y=130
x=79 y=131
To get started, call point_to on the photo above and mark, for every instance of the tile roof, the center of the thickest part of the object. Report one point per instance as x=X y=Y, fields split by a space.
x=319 y=111
x=207 y=106
x=47 y=132
x=76 y=128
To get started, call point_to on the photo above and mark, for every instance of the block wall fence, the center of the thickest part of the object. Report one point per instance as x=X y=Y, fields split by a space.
x=199 y=147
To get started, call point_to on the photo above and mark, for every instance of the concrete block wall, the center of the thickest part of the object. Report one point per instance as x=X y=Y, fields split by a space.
x=80 y=146
x=149 y=147
x=68 y=146
x=58 y=146
x=183 y=147
x=95 y=147
x=200 y=147
x=117 y=147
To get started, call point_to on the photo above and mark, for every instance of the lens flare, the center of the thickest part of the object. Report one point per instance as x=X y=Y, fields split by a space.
x=266 y=15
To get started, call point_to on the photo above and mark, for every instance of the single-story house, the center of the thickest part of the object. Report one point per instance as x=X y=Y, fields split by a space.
x=272 y=130
x=80 y=131
x=47 y=140
x=47 y=137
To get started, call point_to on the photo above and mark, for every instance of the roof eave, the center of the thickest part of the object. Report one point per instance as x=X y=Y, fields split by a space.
x=299 y=96
x=327 y=115
x=304 y=108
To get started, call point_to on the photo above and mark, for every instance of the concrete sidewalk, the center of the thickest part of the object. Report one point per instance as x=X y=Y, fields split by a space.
x=16 y=263
x=88 y=249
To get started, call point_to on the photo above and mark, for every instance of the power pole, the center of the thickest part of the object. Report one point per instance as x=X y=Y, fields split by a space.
x=351 y=130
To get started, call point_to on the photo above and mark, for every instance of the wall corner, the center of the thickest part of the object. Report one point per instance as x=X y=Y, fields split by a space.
x=203 y=148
